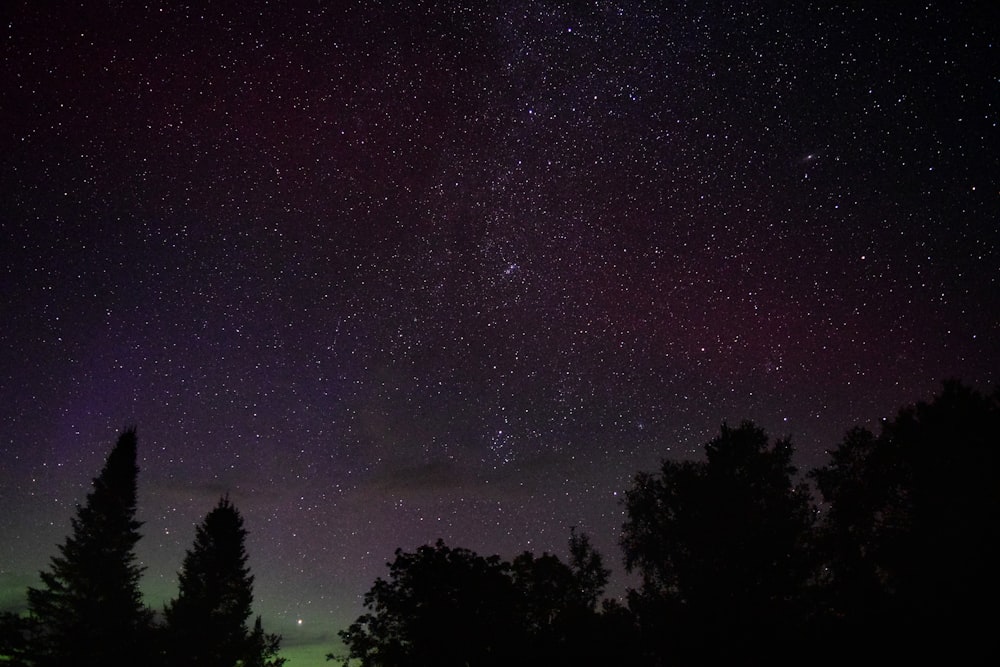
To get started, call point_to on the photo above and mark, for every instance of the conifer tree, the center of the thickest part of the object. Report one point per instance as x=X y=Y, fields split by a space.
x=207 y=623
x=14 y=633
x=89 y=609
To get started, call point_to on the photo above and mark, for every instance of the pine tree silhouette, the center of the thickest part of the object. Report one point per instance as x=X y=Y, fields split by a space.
x=89 y=610
x=207 y=623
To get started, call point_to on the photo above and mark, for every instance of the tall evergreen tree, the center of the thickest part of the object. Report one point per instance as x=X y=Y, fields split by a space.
x=207 y=623
x=89 y=609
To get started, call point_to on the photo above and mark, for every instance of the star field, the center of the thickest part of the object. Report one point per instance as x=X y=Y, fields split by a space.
x=388 y=272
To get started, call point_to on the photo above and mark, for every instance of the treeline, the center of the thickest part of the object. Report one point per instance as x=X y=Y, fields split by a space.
x=890 y=555
x=893 y=558
x=88 y=612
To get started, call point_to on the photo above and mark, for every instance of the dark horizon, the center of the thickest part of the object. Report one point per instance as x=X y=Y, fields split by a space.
x=887 y=548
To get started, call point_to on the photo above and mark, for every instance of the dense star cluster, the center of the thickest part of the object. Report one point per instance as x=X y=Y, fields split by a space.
x=393 y=272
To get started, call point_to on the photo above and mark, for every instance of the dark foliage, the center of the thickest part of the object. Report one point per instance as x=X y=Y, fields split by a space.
x=15 y=633
x=589 y=572
x=207 y=622
x=910 y=537
x=733 y=569
x=440 y=606
x=263 y=648
x=89 y=609
x=443 y=606
x=721 y=546
x=733 y=565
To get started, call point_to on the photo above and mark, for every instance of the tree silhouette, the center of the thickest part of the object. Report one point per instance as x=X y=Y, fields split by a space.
x=440 y=606
x=264 y=648
x=207 y=622
x=721 y=548
x=589 y=572
x=911 y=532
x=89 y=610
x=450 y=607
x=558 y=608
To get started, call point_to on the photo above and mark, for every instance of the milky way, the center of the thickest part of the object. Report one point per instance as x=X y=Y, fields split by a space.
x=394 y=272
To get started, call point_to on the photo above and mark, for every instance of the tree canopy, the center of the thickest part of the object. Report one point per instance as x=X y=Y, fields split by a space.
x=720 y=545
x=735 y=561
x=731 y=560
x=450 y=606
x=910 y=533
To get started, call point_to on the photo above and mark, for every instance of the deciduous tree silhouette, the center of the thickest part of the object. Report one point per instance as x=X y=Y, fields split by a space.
x=558 y=609
x=207 y=622
x=589 y=572
x=440 y=606
x=721 y=548
x=452 y=607
x=911 y=532
x=89 y=610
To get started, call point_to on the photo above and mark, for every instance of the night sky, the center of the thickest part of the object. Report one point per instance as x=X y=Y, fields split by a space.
x=388 y=272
